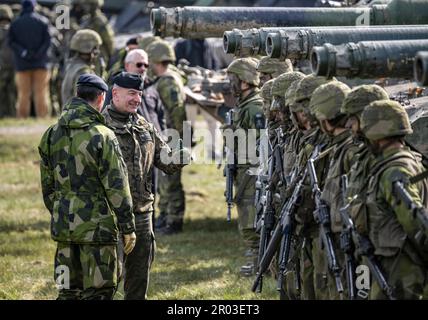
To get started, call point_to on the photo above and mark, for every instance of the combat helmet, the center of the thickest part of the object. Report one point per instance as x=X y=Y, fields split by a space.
x=274 y=67
x=362 y=96
x=246 y=70
x=385 y=118
x=327 y=100
x=85 y=41
x=160 y=51
x=304 y=92
x=146 y=41
x=265 y=91
x=280 y=86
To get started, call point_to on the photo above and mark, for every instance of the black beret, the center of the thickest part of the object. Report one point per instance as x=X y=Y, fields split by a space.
x=129 y=81
x=133 y=40
x=92 y=80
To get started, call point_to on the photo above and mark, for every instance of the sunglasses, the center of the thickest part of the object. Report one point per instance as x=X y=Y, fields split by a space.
x=140 y=64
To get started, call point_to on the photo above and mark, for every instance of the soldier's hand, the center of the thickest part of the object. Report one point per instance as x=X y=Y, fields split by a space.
x=129 y=242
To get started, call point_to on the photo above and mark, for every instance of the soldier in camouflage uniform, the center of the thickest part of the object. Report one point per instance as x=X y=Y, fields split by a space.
x=171 y=92
x=313 y=273
x=142 y=147
x=7 y=74
x=248 y=115
x=400 y=244
x=282 y=135
x=85 y=188
x=85 y=44
x=353 y=106
x=95 y=20
x=270 y=68
x=325 y=104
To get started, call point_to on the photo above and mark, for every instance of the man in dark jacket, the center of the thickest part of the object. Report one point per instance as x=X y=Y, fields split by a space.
x=30 y=40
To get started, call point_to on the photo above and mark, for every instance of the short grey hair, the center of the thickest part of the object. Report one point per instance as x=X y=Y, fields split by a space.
x=134 y=53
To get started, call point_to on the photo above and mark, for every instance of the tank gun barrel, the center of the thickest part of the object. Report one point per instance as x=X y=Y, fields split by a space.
x=367 y=59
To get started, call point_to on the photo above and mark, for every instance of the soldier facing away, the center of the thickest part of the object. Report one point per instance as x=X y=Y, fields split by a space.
x=85 y=188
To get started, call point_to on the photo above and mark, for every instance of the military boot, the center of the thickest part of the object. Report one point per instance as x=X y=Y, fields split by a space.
x=249 y=269
x=172 y=228
x=160 y=221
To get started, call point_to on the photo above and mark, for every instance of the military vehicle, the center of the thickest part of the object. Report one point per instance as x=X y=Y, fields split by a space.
x=202 y=22
x=421 y=68
x=367 y=59
x=289 y=43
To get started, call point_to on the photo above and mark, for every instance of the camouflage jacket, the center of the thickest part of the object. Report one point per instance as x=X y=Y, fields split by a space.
x=244 y=118
x=99 y=23
x=390 y=224
x=310 y=140
x=291 y=150
x=339 y=163
x=171 y=92
x=73 y=69
x=141 y=146
x=84 y=180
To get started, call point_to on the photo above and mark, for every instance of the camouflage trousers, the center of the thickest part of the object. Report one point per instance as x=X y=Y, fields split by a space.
x=171 y=198
x=86 y=271
x=291 y=284
x=137 y=264
x=333 y=294
x=246 y=209
x=408 y=279
x=7 y=94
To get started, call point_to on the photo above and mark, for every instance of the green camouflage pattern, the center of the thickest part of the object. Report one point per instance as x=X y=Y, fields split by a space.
x=244 y=118
x=265 y=90
x=141 y=146
x=385 y=118
x=327 y=99
x=403 y=257
x=274 y=67
x=283 y=82
x=265 y=93
x=84 y=179
x=304 y=91
x=98 y=22
x=85 y=40
x=92 y=271
x=172 y=202
x=171 y=91
x=74 y=67
x=160 y=51
x=145 y=42
x=246 y=70
x=362 y=96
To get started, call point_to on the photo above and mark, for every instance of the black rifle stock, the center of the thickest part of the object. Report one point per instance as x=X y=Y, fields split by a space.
x=347 y=246
x=229 y=172
x=283 y=231
x=322 y=217
x=366 y=248
x=284 y=228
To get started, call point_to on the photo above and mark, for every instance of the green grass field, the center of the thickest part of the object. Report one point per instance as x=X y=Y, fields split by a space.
x=200 y=263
